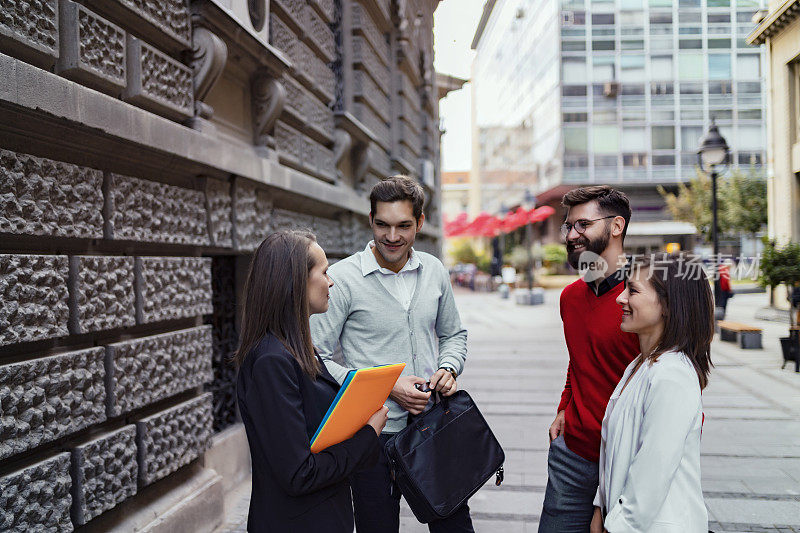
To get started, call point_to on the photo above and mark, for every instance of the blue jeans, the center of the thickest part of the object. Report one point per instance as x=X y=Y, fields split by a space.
x=377 y=506
x=571 y=486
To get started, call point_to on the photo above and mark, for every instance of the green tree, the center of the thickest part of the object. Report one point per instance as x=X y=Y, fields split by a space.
x=463 y=252
x=780 y=264
x=741 y=202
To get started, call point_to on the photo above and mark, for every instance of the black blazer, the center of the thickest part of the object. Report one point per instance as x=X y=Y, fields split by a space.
x=294 y=489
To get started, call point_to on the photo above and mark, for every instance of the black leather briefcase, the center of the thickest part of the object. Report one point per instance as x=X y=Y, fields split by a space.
x=444 y=456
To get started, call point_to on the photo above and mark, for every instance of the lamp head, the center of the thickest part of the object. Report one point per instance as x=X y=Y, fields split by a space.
x=713 y=149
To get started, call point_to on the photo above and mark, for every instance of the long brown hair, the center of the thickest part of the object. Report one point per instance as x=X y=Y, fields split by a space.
x=688 y=306
x=276 y=298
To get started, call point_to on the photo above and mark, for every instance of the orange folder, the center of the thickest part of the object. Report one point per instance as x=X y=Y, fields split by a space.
x=362 y=393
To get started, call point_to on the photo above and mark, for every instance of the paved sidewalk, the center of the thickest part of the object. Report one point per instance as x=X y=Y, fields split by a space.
x=516 y=369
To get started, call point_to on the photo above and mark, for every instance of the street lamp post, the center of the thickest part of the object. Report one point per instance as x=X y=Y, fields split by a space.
x=712 y=154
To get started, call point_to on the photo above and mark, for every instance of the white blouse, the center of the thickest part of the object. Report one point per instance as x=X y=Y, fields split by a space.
x=650 y=450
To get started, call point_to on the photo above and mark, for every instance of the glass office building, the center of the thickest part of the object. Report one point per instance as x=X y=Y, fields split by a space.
x=620 y=91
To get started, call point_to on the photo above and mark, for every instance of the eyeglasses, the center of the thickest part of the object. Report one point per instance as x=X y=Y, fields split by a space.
x=580 y=225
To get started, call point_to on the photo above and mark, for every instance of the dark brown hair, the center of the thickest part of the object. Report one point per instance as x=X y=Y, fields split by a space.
x=276 y=298
x=610 y=200
x=688 y=306
x=396 y=189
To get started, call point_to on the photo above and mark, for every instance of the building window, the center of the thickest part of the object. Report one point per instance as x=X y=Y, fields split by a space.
x=573 y=69
x=661 y=67
x=721 y=114
x=750 y=159
x=576 y=161
x=719 y=66
x=603 y=68
x=573 y=46
x=603 y=45
x=661 y=44
x=632 y=68
x=659 y=17
x=745 y=17
x=663 y=137
x=573 y=90
x=691 y=88
x=634 y=139
x=689 y=17
x=631 y=18
x=632 y=45
x=718 y=3
x=690 y=66
x=634 y=160
x=748 y=137
x=605 y=139
x=663 y=160
x=748 y=66
x=720 y=87
x=574 y=117
x=632 y=89
x=690 y=44
x=605 y=161
x=748 y=87
x=662 y=115
x=749 y=114
x=573 y=18
x=605 y=116
x=690 y=137
x=719 y=43
x=689 y=159
x=602 y=19
x=575 y=139
x=690 y=3
x=662 y=88
x=717 y=18
x=630 y=4
x=660 y=3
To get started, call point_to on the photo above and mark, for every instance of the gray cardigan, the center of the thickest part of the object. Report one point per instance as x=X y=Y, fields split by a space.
x=374 y=329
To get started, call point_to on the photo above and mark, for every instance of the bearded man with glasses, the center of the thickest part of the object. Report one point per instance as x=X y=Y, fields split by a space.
x=599 y=351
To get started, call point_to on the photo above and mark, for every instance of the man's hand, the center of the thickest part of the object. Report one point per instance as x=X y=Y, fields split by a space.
x=444 y=382
x=557 y=427
x=597 y=522
x=407 y=396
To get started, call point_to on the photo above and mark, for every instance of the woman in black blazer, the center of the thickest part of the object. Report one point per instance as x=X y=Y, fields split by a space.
x=283 y=392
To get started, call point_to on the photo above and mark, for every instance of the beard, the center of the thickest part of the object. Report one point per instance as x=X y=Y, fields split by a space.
x=596 y=246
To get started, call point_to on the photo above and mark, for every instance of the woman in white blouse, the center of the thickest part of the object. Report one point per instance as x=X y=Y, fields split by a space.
x=650 y=447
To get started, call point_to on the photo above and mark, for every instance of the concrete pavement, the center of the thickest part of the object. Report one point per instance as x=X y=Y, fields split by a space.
x=516 y=369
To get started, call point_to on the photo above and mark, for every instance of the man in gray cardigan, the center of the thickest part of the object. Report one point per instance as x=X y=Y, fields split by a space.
x=392 y=304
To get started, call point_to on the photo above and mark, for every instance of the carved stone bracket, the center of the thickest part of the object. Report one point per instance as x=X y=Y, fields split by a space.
x=269 y=97
x=353 y=140
x=209 y=54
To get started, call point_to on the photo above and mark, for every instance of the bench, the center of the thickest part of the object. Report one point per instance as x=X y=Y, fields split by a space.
x=748 y=337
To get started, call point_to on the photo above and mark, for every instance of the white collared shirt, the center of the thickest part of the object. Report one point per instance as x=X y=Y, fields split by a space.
x=400 y=285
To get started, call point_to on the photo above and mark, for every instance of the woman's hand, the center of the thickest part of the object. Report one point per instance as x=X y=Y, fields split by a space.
x=378 y=419
x=597 y=522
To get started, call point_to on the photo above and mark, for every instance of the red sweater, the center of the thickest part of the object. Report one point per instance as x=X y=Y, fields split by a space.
x=599 y=353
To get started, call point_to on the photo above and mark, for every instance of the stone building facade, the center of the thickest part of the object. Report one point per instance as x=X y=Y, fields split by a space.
x=146 y=148
x=779 y=31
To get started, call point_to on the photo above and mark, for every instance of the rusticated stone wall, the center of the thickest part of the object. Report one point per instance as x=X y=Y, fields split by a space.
x=172 y=438
x=124 y=238
x=104 y=473
x=37 y=497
